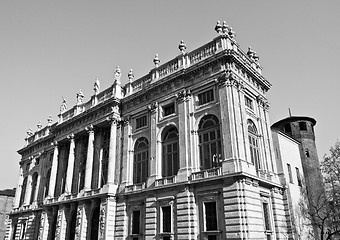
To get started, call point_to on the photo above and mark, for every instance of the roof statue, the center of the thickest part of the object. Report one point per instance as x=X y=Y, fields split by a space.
x=80 y=97
x=131 y=75
x=96 y=86
x=218 y=27
x=117 y=74
x=156 y=61
x=182 y=47
x=39 y=125
x=63 y=106
x=49 y=121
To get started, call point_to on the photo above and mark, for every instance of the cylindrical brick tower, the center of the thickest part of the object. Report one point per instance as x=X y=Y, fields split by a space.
x=302 y=129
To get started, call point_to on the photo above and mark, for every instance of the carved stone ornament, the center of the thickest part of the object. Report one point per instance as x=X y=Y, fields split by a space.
x=80 y=97
x=71 y=136
x=29 y=132
x=126 y=120
x=96 y=86
x=113 y=120
x=78 y=222
x=153 y=107
x=63 y=106
x=102 y=220
x=183 y=95
x=263 y=102
x=225 y=27
x=89 y=128
x=156 y=61
x=49 y=121
x=58 y=227
x=131 y=75
x=117 y=74
x=39 y=125
x=218 y=27
x=41 y=227
x=182 y=47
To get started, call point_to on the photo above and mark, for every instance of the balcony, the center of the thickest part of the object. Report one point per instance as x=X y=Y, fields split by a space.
x=208 y=173
x=165 y=181
x=135 y=187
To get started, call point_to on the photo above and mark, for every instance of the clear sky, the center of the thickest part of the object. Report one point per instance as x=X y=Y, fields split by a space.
x=52 y=49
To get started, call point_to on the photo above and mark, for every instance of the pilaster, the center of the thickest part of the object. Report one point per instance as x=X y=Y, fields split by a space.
x=89 y=158
x=154 y=145
x=28 y=190
x=70 y=165
x=61 y=224
x=18 y=190
x=127 y=148
x=54 y=169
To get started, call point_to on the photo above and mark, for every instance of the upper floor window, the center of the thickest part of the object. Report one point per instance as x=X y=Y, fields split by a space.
x=47 y=182
x=23 y=191
x=253 y=144
x=140 y=161
x=168 y=109
x=141 y=122
x=136 y=223
x=248 y=102
x=170 y=152
x=205 y=97
x=37 y=161
x=210 y=147
x=289 y=168
x=298 y=176
x=28 y=166
x=287 y=128
x=34 y=187
x=303 y=126
x=105 y=138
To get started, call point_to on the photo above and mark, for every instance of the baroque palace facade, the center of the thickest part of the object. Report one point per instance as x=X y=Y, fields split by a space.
x=184 y=152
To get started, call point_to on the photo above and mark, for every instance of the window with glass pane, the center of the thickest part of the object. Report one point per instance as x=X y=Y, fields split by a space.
x=210 y=146
x=266 y=216
x=253 y=144
x=210 y=216
x=170 y=158
x=140 y=162
x=135 y=228
x=205 y=97
x=169 y=109
x=166 y=219
x=141 y=122
x=248 y=102
x=289 y=168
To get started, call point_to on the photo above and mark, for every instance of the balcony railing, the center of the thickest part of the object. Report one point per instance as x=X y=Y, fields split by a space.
x=165 y=181
x=213 y=172
x=135 y=187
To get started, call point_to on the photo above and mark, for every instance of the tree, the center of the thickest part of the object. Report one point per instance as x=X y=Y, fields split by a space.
x=323 y=207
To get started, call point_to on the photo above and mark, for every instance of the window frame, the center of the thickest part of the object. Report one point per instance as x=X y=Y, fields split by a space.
x=170 y=105
x=175 y=164
x=254 y=144
x=136 y=206
x=145 y=121
x=209 y=93
x=290 y=173
x=267 y=216
x=166 y=202
x=248 y=102
x=139 y=152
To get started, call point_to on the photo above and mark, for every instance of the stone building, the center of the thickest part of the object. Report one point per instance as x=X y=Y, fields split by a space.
x=6 y=205
x=184 y=152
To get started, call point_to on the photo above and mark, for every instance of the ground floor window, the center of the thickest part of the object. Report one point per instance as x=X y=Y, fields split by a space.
x=210 y=216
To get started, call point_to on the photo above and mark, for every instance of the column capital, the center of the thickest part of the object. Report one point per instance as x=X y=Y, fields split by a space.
x=126 y=120
x=113 y=120
x=153 y=107
x=183 y=95
x=70 y=137
x=90 y=129
x=263 y=102
x=54 y=143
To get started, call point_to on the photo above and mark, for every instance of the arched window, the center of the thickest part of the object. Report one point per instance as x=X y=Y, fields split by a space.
x=210 y=146
x=34 y=187
x=140 y=161
x=47 y=183
x=253 y=144
x=23 y=191
x=170 y=156
x=105 y=156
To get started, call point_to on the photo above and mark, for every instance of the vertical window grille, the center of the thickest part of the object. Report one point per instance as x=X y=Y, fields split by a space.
x=254 y=145
x=166 y=219
x=206 y=97
x=210 y=146
x=170 y=158
x=140 y=163
x=210 y=216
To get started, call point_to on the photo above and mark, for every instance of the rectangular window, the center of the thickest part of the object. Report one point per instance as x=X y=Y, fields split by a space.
x=28 y=166
x=51 y=157
x=298 y=177
x=205 y=97
x=23 y=230
x=210 y=216
x=303 y=126
x=166 y=219
x=37 y=161
x=290 y=173
x=141 y=122
x=266 y=217
x=169 y=109
x=248 y=102
x=135 y=222
x=287 y=128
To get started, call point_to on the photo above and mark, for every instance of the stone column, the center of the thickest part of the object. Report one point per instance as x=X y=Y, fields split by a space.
x=28 y=190
x=112 y=155
x=18 y=190
x=89 y=159
x=70 y=165
x=53 y=177
x=183 y=125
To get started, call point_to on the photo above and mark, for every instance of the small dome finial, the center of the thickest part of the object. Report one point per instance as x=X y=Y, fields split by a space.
x=218 y=27
x=131 y=75
x=156 y=61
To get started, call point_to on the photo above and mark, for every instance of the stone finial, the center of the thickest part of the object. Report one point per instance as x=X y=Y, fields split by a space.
x=39 y=125
x=225 y=27
x=117 y=74
x=156 y=61
x=256 y=57
x=49 y=121
x=96 y=86
x=250 y=53
x=63 y=106
x=231 y=33
x=29 y=132
x=218 y=27
x=182 y=47
x=131 y=75
x=80 y=97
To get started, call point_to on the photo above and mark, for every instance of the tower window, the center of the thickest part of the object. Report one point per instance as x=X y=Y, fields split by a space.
x=169 y=109
x=290 y=173
x=205 y=97
x=303 y=126
x=287 y=128
x=298 y=176
x=248 y=102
